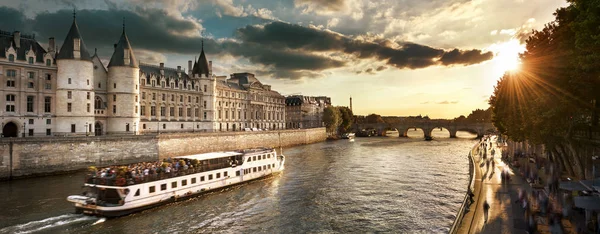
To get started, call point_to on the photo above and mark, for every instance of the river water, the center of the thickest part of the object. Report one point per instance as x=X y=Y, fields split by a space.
x=382 y=184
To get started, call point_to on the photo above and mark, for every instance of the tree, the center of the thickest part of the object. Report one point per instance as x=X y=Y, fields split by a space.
x=374 y=118
x=332 y=118
x=347 y=119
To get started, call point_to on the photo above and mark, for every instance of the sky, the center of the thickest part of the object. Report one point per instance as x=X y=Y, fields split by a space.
x=439 y=58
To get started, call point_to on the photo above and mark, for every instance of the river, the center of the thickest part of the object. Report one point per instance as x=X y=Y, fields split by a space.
x=380 y=184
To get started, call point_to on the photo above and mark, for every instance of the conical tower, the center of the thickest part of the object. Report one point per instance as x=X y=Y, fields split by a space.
x=75 y=86
x=123 y=89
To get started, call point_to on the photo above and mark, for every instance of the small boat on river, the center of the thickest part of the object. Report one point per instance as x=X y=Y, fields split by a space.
x=123 y=192
x=348 y=135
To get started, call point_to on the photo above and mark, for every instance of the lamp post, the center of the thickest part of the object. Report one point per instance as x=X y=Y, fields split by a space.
x=134 y=128
x=24 y=124
x=126 y=127
x=86 y=129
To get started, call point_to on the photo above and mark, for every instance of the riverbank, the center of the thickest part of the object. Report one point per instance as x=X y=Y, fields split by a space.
x=27 y=157
x=466 y=203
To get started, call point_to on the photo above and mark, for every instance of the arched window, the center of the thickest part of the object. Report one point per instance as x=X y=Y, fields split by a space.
x=48 y=62
x=11 y=57
x=98 y=103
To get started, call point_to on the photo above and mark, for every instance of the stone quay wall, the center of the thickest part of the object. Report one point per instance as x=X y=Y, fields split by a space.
x=23 y=157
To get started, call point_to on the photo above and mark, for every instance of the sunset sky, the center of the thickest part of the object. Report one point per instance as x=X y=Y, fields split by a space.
x=401 y=57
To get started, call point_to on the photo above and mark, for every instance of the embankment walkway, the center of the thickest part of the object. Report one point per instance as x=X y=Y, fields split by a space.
x=505 y=216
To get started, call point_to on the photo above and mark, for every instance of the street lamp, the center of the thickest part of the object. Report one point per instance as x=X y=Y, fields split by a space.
x=134 y=128
x=86 y=129
x=127 y=127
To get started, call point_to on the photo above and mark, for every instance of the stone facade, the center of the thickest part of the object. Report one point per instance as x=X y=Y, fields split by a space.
x=305 y=111
x=70 y=92
x=38 y=155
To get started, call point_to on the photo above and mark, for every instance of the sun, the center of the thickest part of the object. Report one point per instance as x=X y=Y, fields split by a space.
x=507 y=55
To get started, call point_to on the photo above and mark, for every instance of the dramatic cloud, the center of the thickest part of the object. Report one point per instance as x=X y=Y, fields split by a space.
x=409 y=55
x=321 y=5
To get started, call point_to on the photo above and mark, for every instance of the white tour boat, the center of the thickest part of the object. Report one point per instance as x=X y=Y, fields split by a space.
x=122 y=195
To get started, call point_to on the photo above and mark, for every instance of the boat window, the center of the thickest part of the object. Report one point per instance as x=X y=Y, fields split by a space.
x=137 y=193
x=273 y=165
x=151 y=189
x=259 y=168
x=218 y=175
x=111 y=197
x=183 y=182
x=268 y=155
x=237 y=173
x=194 y=180
x=210 y=177
x=174 y=184
x=265 y=167
x=163 y=187
x=269 y=166
x=201 y=178
x=259 y=157
x=224 y=174
x=254 y=169
x=253 y=158
x=249 y=159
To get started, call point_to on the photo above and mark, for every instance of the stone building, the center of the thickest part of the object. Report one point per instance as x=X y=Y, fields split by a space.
x=70 y=92
x=305 y=111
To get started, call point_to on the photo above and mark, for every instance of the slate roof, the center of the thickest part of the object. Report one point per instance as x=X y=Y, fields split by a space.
x=118 y=57
x=201 y=67
x=170 y=73
x=231 y=85
x=27 y=42
x=66 y=51
x=294 y=101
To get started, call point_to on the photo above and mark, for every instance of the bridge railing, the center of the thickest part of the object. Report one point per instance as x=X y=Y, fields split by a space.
x=465 y=203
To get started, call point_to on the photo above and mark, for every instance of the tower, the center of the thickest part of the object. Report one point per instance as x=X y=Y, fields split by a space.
x=350 y=103
x=74 y=85
x=208 y=84
x=123 y=89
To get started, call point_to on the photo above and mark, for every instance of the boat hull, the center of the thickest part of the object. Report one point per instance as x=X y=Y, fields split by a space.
x=91 y=211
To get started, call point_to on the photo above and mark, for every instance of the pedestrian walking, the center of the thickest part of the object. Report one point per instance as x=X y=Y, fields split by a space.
x=486 y=208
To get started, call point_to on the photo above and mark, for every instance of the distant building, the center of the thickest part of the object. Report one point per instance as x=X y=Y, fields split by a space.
x=305 y=111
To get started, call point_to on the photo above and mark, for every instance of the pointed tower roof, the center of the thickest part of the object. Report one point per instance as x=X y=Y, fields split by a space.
x=68 y=47
x=202 y=67
x=123 y=50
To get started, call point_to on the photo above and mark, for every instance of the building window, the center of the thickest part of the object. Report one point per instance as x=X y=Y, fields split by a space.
x=47 y=104
x=153 y=110
x=171 y=111
x=143 y=126
x=163 y=96
x=72 y=127
x=143 y=110
x=30 y=132
x=174 y=184
x=29 y=103
x=136 y=109
x=69 y=80
x=114 y=98
x=30 y=75
x=88 y=108
x=99 y=85
x=10 y=83
x=153 y=96
x=10 y=108
x=69 y=107
x=181 y=126
x=162 y=111
x=115 y=85
x=69 y=94
x=76 y=44
x=151 y=189
x=196 y=112
x=189 y=112
x=31 y=121
x=88 y=82
x=205 y=88
x=136 y=98
x=11 y=73
x=48 y=132
x=197 y=99
x=205 y=115
x=48 y=121
x=30 y=85
x=164 y=126
x=172 y=97
x=88 y=95
x=10 y=98
x=189 y=99
x=11 y=58
x=114 y=109
x=48 y=62
x=48 y=86
x=181 y=98
x=204 y=104
x=163 y=187
x=143 y=95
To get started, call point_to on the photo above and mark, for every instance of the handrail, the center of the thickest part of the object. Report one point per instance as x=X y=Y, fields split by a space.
x=464 y=206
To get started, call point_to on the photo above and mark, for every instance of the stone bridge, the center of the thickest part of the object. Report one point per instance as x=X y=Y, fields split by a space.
x=427 y=126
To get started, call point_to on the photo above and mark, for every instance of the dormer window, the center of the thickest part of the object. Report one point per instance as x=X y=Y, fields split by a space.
x=30 y=60
x=11 y=57
x=48 y=62
x=126 y=58
x=76 y=44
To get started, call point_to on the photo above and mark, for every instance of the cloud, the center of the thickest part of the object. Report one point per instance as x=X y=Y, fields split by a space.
x=321 y=5
x=287 y=36
x=381 y=68
x=425 y=102
x=447 y=102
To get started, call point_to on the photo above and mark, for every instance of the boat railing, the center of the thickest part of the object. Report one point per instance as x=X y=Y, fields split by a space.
x=128 y=179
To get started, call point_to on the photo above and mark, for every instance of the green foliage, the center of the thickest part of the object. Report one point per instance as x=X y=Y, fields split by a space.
x=347 y=119
x=332 y=118
x=557 y=85
x=374 y=118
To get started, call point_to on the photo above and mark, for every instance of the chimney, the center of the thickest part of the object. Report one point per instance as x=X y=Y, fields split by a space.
x=162 y=69
x=178 y=68
x=190 y=66
x=51 y=44
x=17 y=39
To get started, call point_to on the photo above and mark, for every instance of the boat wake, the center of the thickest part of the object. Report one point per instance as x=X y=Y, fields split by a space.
x=45 y=224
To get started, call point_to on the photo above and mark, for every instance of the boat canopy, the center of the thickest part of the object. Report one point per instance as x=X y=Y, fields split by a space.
x=212 y=155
